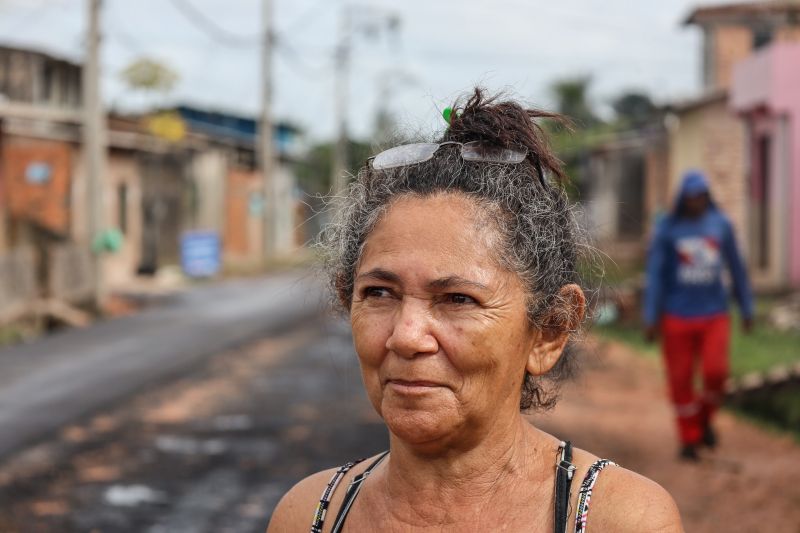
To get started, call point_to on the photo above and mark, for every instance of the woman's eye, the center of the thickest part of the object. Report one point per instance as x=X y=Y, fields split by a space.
x=376 y=292
x=460 y=299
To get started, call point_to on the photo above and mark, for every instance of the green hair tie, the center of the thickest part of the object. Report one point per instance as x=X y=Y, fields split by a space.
x=448 y=114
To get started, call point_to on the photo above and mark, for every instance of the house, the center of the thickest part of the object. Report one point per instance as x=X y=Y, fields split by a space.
x=765 y=91
x=746 y=109
x=36 y=90
x=733 y=31
x=612 y=190
x=43 y=196
x=705 y=133
x=229 y=189
x=708 y=133
x=39 y=79
x=166 y=173
x=40 y=98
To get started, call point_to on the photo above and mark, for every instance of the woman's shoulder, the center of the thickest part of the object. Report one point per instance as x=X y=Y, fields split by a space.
x=296 y=509
x=623 y=500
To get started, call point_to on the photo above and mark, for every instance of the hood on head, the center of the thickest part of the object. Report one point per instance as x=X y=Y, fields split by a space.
x=694 y=182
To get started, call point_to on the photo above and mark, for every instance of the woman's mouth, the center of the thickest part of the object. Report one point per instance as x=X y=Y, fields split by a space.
x=404 y=386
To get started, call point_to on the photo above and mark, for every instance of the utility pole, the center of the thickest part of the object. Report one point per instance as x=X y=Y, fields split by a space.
x=265 y=147
x=94 y=144
x=369 y=21
x=341 y=91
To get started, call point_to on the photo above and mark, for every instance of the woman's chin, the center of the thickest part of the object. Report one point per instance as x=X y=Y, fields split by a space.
x=420 y=427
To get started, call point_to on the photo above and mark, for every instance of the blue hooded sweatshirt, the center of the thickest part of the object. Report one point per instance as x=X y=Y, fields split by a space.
x=686 y=259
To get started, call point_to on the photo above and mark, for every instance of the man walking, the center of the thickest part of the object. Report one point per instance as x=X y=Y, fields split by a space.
x=686 y=302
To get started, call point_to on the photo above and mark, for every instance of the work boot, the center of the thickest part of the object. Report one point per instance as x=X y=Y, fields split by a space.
x=709 y=436
x=689 y=453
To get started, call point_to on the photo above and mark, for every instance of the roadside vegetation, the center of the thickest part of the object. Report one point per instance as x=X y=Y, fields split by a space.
x=764 y=348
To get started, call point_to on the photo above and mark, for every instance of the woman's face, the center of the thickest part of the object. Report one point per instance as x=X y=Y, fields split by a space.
x=439 y=327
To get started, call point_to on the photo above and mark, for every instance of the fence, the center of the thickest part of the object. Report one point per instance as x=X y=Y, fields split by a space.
x=18 y=289
x=69 y=272
x=69 y=276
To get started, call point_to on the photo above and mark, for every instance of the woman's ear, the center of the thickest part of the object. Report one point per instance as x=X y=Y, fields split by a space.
x=564 y=317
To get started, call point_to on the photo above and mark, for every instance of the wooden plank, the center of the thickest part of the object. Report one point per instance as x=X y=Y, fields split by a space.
x=39 y=112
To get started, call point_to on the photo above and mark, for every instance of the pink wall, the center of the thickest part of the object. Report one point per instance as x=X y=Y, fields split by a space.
x=770 y=81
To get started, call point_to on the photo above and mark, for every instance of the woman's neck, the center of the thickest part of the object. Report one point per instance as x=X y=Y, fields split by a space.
x=435 y=488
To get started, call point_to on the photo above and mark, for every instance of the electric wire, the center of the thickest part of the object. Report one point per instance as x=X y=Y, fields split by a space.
x=221 y=35
x=31 y=17
x=302 y=21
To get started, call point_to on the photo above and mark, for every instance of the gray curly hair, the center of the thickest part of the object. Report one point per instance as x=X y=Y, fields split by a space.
x=536 y=234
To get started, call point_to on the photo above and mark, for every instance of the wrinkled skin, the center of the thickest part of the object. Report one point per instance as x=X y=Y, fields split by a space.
x=440 y=328
x=444 y=341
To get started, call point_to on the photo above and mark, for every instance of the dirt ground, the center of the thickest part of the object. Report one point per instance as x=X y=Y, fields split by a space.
x=214 y=450
x=618 y=409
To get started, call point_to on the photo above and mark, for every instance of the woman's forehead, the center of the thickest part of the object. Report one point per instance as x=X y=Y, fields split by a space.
x=444 y=221
x=431 y=237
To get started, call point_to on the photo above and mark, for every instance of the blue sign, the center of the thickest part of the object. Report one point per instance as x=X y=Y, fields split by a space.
x=38 y=173
x=255 y=204
x=200 y=253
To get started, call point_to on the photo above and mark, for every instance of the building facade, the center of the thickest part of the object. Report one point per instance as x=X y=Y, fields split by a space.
x=166 y=174
x=766 y=94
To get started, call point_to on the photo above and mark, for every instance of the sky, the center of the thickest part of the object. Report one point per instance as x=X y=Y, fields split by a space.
x=441 y=49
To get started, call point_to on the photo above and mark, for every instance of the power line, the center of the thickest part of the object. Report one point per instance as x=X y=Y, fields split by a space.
x=211 y=28
x=124 y=38
x=302 y=20
x=296 y=61
x=221 y=35
x=33 y=16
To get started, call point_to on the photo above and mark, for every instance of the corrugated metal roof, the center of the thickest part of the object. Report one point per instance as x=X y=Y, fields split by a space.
x=11 y=47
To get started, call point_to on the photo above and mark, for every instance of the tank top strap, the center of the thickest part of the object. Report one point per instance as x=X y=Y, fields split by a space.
x=352 y=491
x=327 y=494
x=585 y=493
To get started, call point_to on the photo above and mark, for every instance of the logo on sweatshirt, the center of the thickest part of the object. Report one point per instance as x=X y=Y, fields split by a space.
x=698 y=260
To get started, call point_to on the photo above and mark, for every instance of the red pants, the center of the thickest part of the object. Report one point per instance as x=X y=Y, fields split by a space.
x=685 y=340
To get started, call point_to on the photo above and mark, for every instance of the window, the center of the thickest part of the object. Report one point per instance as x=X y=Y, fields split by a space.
x=122 y=208
x=762 y=190
x=762 y=36
x=630 y=211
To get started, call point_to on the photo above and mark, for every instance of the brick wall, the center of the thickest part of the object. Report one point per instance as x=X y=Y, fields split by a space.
x=657 y=180
x=242 y=235
x=788 y=34
x=37 y=177
x=123 y=185
x=711 y=138
x=724 y=158
x=4 y=246
x=731 y=44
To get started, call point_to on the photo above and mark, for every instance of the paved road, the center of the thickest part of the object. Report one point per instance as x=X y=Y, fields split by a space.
x=210 y=452
x=47 y=383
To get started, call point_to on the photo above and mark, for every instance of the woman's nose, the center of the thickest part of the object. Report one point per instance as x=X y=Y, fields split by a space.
x=412 y=333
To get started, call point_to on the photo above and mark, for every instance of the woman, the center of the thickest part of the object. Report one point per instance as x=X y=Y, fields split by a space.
x=457 y=264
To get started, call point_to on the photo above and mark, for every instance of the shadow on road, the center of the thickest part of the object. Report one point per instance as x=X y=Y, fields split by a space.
x=213 y=451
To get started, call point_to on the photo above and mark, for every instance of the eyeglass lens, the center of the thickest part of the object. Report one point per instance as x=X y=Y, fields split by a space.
x=478 y=151
x=407 y=154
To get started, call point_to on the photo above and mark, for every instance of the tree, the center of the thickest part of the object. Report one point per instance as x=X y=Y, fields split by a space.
x=634 y=108
x=314 y=171
x=149 y=75
x=572 y=100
